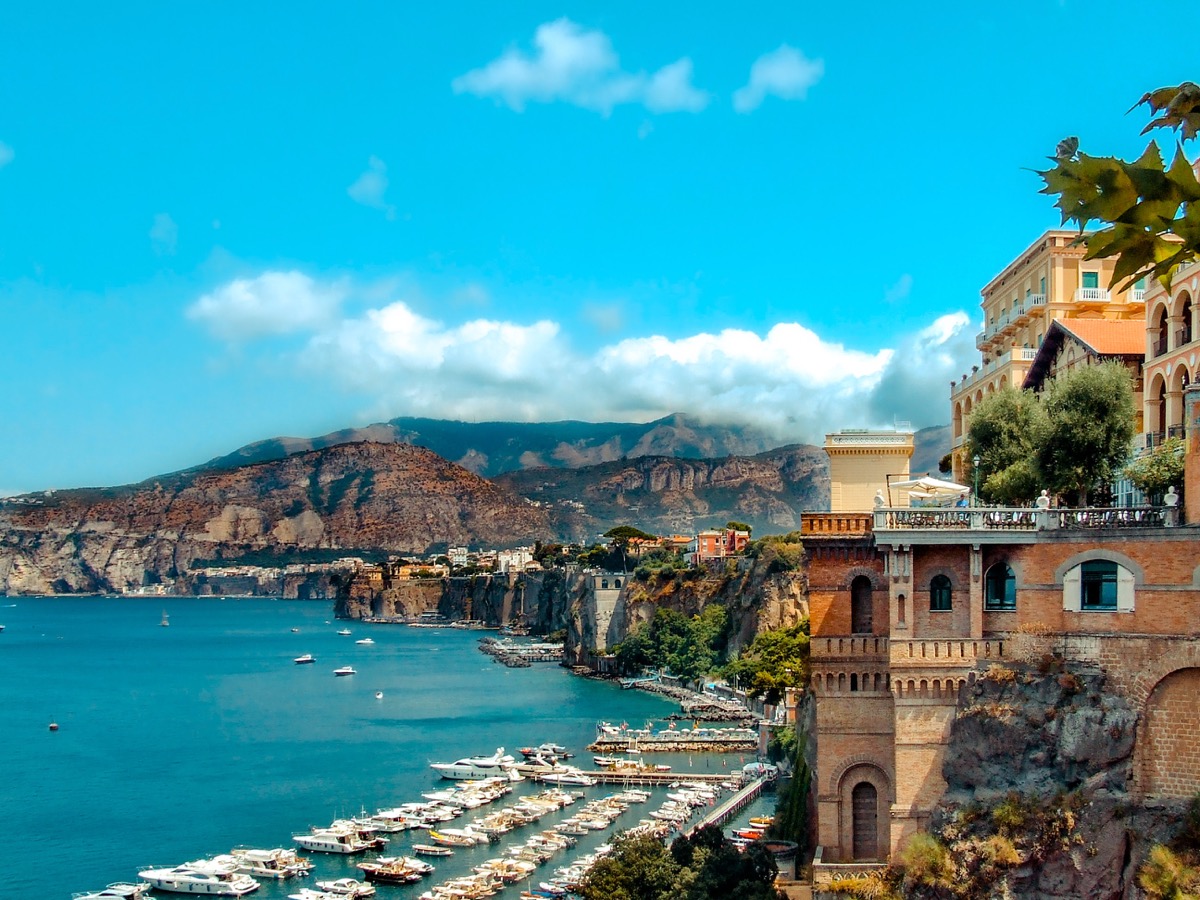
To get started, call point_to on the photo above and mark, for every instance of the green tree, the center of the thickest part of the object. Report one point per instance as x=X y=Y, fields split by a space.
x=1159 y=469
x=1090 y=426
x=1149 y=210
x=639 y=868
x=774 y=660
x=1006 y=429
x=738 y=526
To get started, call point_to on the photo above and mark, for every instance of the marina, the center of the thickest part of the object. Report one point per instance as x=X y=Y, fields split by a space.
x=217 y=694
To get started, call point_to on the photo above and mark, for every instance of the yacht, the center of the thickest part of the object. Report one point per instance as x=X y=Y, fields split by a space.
x=118 y=890
x=569 y=776
x=344 y=631
x=337 y=840
x=495 y=766
x=282 y=862
x=345 y=670
x=547 y=749
x=203 y=876
x=364 y=641
x=304 y=659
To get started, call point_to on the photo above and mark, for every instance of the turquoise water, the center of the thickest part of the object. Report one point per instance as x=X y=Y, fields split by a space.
x=186 y=741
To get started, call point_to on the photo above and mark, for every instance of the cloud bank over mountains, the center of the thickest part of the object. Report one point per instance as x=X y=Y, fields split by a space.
x=791 y=381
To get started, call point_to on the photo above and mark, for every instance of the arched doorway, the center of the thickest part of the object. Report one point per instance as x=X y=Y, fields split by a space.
x=1168 y=765
x=864 y=802
x=860 y=605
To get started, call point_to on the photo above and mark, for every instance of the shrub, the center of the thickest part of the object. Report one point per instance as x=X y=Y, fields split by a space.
x=927 y=862
x=1164 y=876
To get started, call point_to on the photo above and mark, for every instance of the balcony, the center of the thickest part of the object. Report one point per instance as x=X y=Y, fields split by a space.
x=1020 y=519
x=1183 y=337
x=1024 y=355
x=1137 y=296
x=981 y=340
x=1160 y=347
x=1033 y=301
x=1091 y=295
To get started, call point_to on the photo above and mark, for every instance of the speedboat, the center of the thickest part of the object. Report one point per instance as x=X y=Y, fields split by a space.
x=497 y=765
x=345 y=670
x=306 y=658
x=547 y=749
x=203 y=876
x=344 y=632
x=364 y=641
x=347 y=888
x=118 y=890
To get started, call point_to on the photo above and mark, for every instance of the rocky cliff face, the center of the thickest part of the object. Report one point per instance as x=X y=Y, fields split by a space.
x=387 y=497
x=671 y=495
x=1039 y=804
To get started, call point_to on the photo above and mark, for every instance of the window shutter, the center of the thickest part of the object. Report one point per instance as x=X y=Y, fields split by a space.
x=1071 y=599
x=1124 y=590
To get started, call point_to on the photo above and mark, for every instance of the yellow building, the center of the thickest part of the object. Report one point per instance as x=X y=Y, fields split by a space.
x=1172 y=353
x=1049 y=281
x=860 y=463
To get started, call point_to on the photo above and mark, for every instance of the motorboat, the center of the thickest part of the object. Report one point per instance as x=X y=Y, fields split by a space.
x=281 y=862
x=347 y=888
x=118 y=890
x=547 y=749
x=310 y=894
x=344 y=632
x=570 y=776
x=379 y=695
x=203 y=876
x=498 y=765
x=392 y=871
x=337 y=840
x=431 y=850
x=450 y=840
x=304 y=659
x=364 y=641
x=295 y=631
x=345 y=670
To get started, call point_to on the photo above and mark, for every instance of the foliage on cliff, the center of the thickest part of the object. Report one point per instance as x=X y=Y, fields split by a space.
x=774 y=660
x=705 y=866
x=688 y=647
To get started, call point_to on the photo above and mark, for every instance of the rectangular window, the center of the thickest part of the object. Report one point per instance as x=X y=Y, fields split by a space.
x=1140 y=284
x=1091 y=279
x=1042 y=287
x=1098 y=585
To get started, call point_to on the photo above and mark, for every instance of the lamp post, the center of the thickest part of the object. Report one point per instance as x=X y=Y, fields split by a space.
x=975 y=472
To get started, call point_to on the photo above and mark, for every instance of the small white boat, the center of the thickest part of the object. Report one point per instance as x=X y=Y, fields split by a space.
x=336 y=840
x=295 y=631
x=347 y=888
x=281 y=862
x=344 y=631
x=364 y=641
x=496 y=765
x=345 y=670
x=431 y=850
x=304 y=659
x=118 y=890
x=379 y=695
x=203 y=876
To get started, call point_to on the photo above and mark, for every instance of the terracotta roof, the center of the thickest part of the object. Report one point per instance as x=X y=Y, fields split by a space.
x=1106 y=337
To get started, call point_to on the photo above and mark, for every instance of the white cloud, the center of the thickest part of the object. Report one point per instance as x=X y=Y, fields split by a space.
x=369 y=188
x=790 y=380
x=577 y=65
x=164 y=235
x=274 y=303
x=6 y=154
x=785 y=73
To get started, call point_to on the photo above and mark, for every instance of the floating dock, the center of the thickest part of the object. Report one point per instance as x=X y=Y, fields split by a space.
x=646 y=779
x=730 y=807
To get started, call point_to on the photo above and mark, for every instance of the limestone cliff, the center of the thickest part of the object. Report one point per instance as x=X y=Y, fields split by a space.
x=365 y=496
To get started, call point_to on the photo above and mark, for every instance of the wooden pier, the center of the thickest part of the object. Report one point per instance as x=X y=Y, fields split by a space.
x=729 y=808
x=640 y=779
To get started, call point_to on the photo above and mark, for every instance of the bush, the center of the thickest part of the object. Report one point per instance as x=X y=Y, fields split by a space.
x=927 y=863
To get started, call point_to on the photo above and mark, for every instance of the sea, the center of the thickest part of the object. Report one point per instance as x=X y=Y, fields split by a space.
x=179 y=742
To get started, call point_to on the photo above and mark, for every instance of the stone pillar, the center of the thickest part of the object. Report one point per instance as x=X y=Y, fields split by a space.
x=1191 y=471
x=1154 y=422
x=899 y=572
x=975 y=597
x=1173 y=412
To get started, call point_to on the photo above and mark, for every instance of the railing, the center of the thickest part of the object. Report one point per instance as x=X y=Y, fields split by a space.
x=835 y=523
x=1183 y=337
x=1137 y=295
x=1155 y=439
x=860 y=645
x=1024 y=354
x=991 y=518
x=1033 y=301
x=1177 y=431
x=1086 y=294
x=1160 y=346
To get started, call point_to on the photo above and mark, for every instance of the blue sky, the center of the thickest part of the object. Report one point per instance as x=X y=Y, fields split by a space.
x=220 y=222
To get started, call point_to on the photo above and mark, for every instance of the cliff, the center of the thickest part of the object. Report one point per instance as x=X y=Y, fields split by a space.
x=668 y=495
x=346 y=499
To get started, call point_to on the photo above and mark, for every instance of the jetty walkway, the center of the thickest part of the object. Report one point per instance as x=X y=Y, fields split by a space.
x=638 y=779
x=730 y=807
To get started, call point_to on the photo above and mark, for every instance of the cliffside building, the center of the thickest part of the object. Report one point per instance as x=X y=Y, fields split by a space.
x=860 y=463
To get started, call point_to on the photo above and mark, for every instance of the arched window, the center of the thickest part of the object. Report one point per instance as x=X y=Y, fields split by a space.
x=1185 y=335
x=1000 y=588
x=939 y=594
x=860 y=605
x=853 y=681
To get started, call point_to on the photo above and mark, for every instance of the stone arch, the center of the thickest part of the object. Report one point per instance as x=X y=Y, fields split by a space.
x=861 y=778
x=1166 y=762
x=1156 y=395
x=1139 y=574
x=978 y=396
x=958 y=419
x=1160 y=320
x=1003 y=382
x=1185 y=318
x=1180 y=377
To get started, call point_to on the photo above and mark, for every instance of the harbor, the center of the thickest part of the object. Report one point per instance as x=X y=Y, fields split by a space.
x=521 y=654
x=621 y=739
